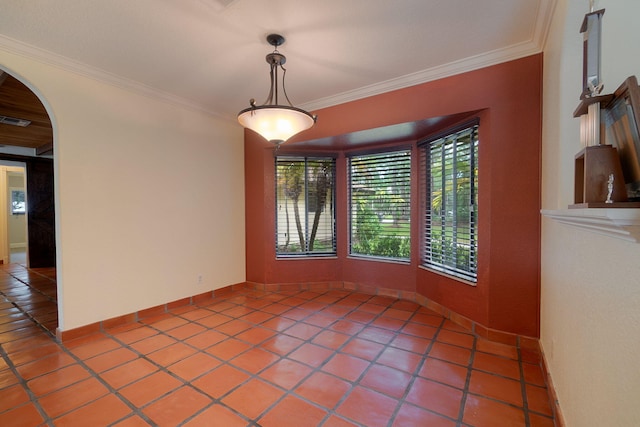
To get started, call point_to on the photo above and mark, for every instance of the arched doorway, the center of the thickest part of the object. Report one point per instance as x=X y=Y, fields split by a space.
x=26 y=141
x=26 y=136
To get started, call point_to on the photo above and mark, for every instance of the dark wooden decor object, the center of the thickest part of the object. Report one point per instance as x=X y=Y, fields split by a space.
x=622 y=121
x=609 y=162
x=593 y=167
x=617 y=154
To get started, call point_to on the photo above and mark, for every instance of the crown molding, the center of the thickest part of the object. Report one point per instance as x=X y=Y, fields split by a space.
x=447 y=70
x=533 y=46
x=58 y=61
x=543 y=22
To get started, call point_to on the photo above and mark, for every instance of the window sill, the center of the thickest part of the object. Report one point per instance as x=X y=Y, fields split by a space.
x=379 y=259
x=619 y=223
x=449 y=275
x=304 y=257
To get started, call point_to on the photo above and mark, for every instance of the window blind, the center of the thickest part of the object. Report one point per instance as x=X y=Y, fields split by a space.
x=450 y=173
x=380 y=204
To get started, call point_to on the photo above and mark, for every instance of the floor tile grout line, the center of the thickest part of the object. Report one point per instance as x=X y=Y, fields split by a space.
x=467 y=383
x=22 y=309
x=98 y=377
x=256 y=376
x=27 y=283
x=167 y=331
x=318 y=369
x=523 y=388
x=25 y=333
x=228 y=362
x=494 y=399
x=314 y=370
x=416 y=375
x=17 y=324
x=122 y=344
x=335 y=351
x=25 y=386
x=30 y=317
x=165 y=369
x=214 y=401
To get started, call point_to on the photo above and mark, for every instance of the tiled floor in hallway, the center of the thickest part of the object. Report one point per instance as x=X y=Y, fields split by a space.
x=253 y=358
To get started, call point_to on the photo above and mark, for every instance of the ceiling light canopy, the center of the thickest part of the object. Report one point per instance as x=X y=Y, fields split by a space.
x=276 y=123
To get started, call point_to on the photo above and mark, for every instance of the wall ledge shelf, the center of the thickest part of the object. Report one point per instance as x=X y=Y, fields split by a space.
x=619 y=223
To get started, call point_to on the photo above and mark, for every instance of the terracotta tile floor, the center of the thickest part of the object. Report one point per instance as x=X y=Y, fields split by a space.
x=249 y=358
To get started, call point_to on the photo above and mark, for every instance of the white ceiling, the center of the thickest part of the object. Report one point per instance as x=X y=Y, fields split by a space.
x=209 y=54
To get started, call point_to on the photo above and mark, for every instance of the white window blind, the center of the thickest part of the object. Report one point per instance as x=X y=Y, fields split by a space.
x=449 y=170
x=379 y=204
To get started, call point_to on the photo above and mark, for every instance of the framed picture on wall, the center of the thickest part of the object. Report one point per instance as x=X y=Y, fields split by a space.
x=622 y=122
x=18 y=201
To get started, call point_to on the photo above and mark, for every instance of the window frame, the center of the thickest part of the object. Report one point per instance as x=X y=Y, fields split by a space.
x=306 y=223
x=425 y=145
x=394 y=151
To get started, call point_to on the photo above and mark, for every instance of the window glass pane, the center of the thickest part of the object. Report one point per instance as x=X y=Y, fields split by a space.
x=379 y=201
x=450 y=170
x=305 y=206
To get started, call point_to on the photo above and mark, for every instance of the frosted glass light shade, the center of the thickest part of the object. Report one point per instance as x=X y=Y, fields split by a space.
x=276 y=123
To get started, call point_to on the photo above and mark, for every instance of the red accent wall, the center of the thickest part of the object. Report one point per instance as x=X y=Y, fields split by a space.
x=507 y=294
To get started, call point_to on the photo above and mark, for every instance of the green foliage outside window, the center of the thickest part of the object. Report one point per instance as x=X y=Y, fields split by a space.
x=305 y=211
x=380 y=204
x=451 y=174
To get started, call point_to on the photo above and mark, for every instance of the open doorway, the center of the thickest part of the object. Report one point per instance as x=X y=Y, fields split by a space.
x=26 y=177
x=15 y=236
x=27 y=209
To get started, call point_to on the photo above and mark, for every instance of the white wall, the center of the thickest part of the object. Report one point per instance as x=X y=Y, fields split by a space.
x=149 y=196
x=590 y=306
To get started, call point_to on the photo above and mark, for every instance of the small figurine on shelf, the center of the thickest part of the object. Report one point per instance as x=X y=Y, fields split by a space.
x=610 y=188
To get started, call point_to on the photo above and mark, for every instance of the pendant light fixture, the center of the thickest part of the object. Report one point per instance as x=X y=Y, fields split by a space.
x=274 y=122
